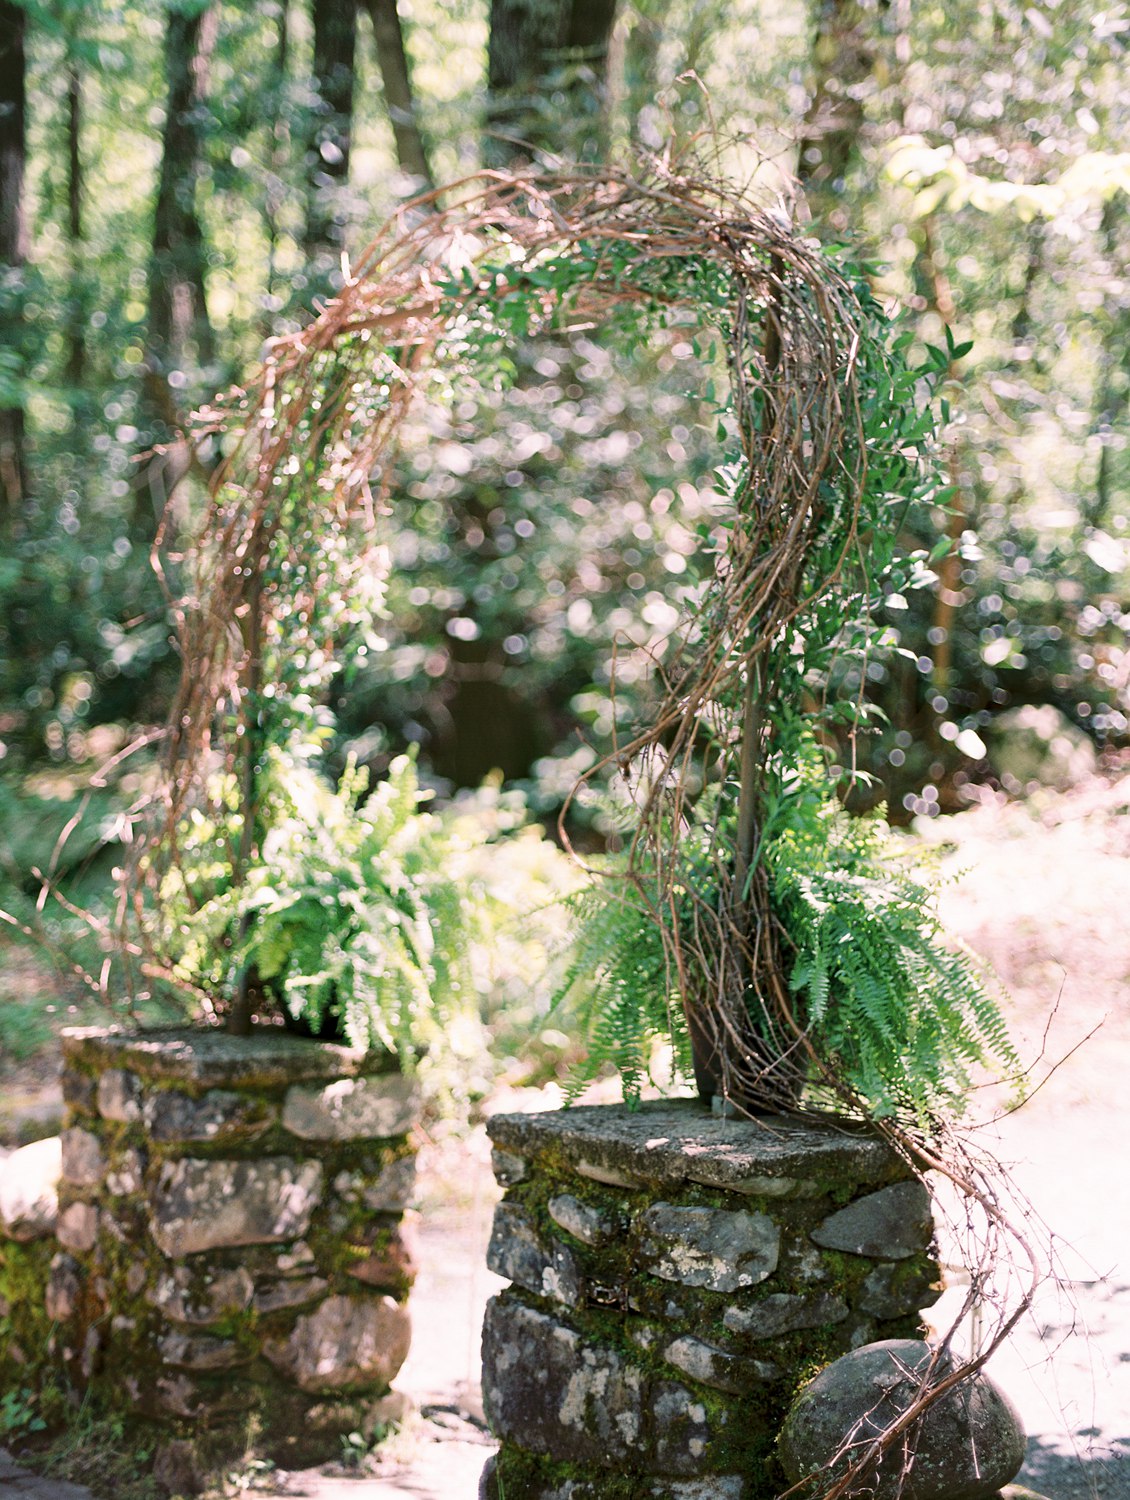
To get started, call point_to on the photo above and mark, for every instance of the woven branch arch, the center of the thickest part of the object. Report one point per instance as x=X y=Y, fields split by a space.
x=309 y=465
x=308 y=471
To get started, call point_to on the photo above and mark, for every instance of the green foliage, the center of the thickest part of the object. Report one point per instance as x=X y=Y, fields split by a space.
x=354 y=907
x=414 y=929
x=19 y=1414
x=619 y=979
x=890 y=1007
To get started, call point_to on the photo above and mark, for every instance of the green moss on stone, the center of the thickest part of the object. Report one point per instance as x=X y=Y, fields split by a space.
x=25 y=1328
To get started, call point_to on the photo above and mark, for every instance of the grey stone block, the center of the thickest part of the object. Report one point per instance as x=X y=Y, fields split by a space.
x=508 y=1169
x=584 y=1221
x=199 y=1352
x=708 y=1247
x=352 y=1109
x=896 y=1289
x=682 y=1432
x=712 y=1366
x=966 y=1446
x=710 y=1487
x=783 y=1312
x=347 y=1342
x=127 y=1175
x=276 y=1295
x=84 y=1162
x=890 y=1225
x=552 y=1392
x=63 y=1289
x=519 y=1253
x=199 y=1295
x=77 y=1227
x=203 y=1205
x=394 y=1189
x=218 y=1115
x=119 y=1096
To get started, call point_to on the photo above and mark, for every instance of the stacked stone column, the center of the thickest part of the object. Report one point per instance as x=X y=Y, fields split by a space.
x=675 y=1279
x=234 y=1254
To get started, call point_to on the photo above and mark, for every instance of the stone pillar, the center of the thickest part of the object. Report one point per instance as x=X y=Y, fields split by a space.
x=675 y=1277
x=233 y=1257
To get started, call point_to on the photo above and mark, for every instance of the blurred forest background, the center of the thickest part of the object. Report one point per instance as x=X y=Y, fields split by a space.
x=179 y=181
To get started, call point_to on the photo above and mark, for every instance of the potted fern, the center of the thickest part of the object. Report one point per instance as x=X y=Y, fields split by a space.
x=353 y=922
x=887 y=1014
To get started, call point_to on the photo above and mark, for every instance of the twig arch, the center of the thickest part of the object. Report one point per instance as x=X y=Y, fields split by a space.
x=307 y=471
x=454 y=285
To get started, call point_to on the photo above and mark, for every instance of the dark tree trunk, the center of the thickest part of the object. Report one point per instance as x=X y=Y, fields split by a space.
x=331 y=124
x=13 y=247
x=547 y=78
x=275 y=192
x=179 y=326
x=845 y=49
x=1112 y=387
x=179 y=331
x=76 y=352
x=548 y=70
x=388 y=36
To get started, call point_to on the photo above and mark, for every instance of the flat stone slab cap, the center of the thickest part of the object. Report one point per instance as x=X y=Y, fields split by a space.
x=270 y=1057
x=672 y=1141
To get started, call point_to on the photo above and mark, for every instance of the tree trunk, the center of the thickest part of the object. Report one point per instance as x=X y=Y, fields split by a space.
x=1112 y=386
x=547 y=79
x=179 y=326
x=13 y=250
x=275 y=192
x=331 y=126
x=388 y=36
x=76 y=333
x=179 y=332
x=845 y=50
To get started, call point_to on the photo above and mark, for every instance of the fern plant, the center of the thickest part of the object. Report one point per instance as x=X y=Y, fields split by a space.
x=618 y=978
x=359 y=908
x=897 y=1014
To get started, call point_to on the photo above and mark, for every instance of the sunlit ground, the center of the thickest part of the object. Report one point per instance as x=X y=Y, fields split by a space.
x=1046 y=898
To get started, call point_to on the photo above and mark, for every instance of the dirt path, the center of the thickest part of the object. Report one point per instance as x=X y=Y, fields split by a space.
x=1046 y=899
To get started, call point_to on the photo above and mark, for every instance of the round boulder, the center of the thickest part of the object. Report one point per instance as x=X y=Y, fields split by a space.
x=965 y=1446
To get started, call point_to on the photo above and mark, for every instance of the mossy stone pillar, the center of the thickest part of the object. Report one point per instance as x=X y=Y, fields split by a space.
x=234 y=1259
x=675 y=1277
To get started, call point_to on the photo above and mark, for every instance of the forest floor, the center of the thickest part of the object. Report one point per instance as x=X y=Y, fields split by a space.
x=1044 y=896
